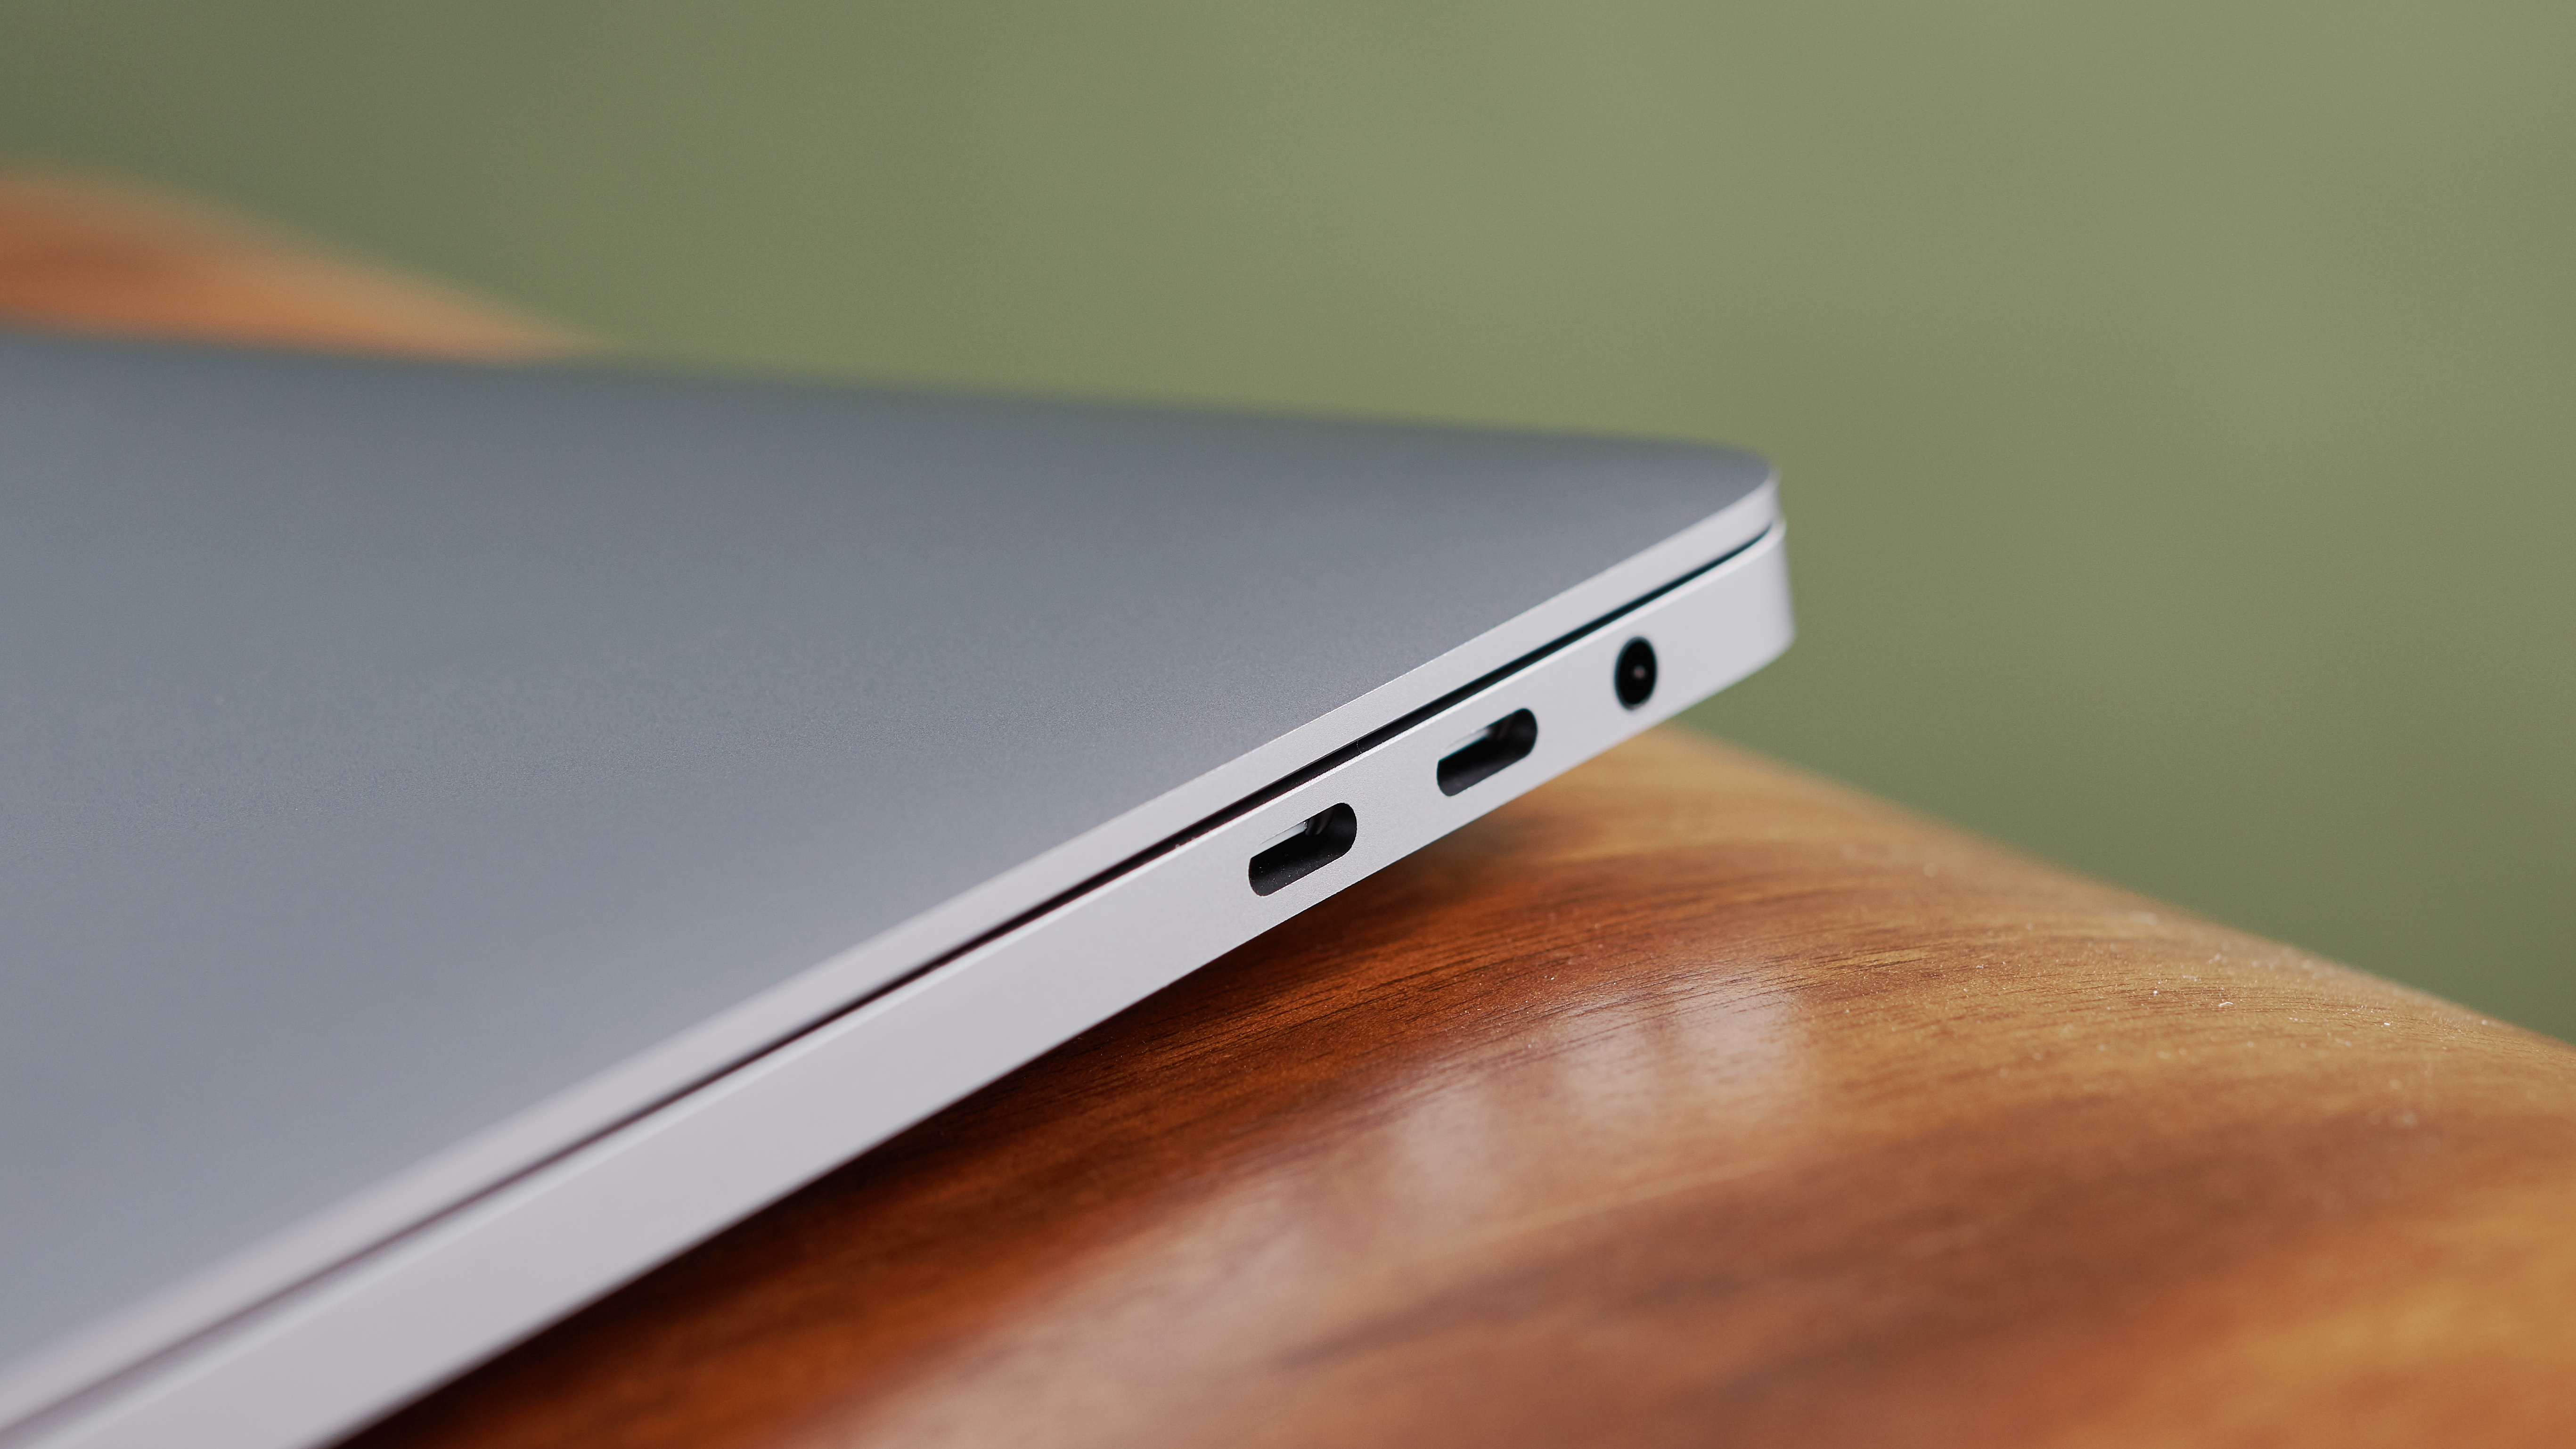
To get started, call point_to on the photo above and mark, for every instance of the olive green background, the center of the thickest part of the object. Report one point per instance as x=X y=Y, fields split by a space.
x=2175 y=401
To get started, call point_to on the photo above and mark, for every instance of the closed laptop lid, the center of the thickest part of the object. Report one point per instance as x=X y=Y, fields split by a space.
x=385 y=747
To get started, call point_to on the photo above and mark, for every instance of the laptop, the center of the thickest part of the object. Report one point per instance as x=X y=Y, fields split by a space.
x=474 y=831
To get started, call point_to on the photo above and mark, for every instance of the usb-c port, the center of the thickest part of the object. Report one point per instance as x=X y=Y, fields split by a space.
x=1504 y=742
x=1315 y=843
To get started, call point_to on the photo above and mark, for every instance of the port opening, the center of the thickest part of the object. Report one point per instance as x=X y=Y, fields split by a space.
x=1316 y=842
x=1504 y=742
x=1634 y=678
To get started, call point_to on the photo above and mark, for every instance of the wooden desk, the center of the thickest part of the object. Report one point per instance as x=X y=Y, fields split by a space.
x=1690 y=1099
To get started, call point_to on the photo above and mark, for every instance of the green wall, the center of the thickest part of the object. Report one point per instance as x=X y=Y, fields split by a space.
x=2177 y=402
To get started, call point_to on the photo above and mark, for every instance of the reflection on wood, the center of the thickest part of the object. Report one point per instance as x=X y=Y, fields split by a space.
x=1686 y=1099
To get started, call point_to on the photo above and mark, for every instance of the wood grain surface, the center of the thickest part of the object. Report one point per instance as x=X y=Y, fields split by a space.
x=1689 y=1099
x=93 y=256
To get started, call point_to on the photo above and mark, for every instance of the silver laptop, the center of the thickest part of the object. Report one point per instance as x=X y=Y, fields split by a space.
x=472 y=832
